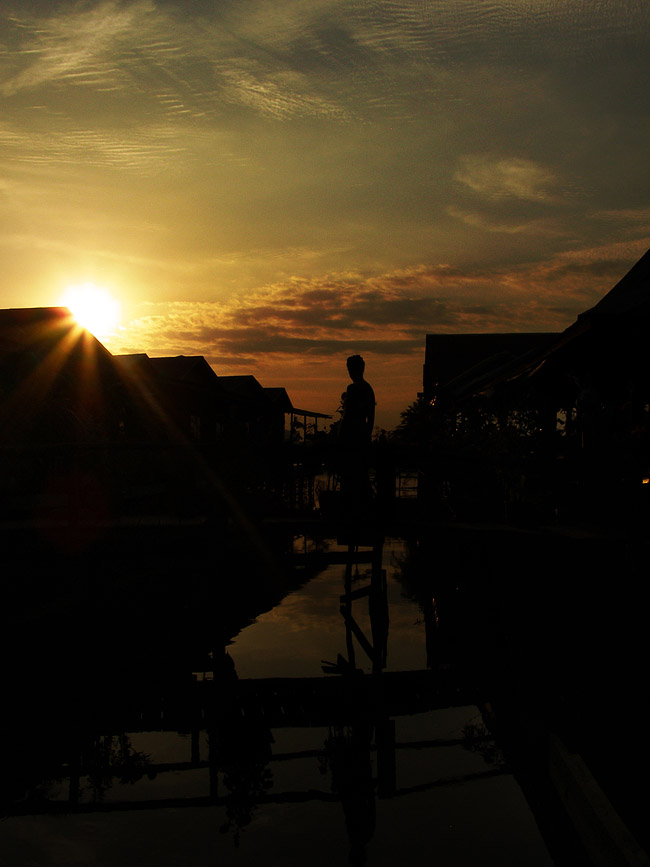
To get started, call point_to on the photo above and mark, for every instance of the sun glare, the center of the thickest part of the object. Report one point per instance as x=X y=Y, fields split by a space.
x=94 y=308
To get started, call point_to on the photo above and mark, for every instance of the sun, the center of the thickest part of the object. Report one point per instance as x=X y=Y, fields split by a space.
x=94 y=308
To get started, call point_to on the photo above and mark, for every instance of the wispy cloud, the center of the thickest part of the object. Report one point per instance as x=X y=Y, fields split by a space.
x=147 y=148
x=72 y=47
x=187 y=66
x=324 y=59
x=624 y=216
x=541 y=226
x=508 y=177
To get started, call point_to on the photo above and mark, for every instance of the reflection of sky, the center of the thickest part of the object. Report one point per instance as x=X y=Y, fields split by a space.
x=307 y=627
x=460 y=816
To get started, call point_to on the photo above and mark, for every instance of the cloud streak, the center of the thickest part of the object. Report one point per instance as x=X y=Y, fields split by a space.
x=298 y=333
x=385 y=315
x=72 y=47
x=510 y=177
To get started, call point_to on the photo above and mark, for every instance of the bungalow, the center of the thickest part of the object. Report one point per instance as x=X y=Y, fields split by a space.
x=594 y=374
x=182 y=391
x=80 y=426
x=580 y=397
x=266 y=415
x=58 y=384
x=66 y=415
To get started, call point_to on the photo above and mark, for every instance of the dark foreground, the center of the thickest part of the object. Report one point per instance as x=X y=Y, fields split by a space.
x=438 y=715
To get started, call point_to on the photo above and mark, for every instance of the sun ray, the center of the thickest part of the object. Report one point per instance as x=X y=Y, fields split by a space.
x=93 y=307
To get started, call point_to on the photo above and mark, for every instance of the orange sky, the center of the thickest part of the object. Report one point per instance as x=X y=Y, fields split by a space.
x=276 y=186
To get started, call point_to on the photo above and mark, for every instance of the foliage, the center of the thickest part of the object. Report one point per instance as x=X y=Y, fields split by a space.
x=111 y=758
x=482 y=426
x=418 y=422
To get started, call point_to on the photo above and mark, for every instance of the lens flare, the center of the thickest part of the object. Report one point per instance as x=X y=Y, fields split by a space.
x=94 y=308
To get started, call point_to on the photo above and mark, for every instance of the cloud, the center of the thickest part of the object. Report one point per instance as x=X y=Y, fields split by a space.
x=148 y=148
x=297 y=333
x=624 y=216
x=328 y=60
x=73 y=47
x=490 y=223
x=509 y=177
x=385 y=315
x=281 y=96
x=180 y=65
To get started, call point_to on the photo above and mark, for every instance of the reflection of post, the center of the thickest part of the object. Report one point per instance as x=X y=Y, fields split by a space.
x=377 y=652
x=213 y=761
x=239 y=747
x=347 y=614
x=195 y=753
x=431 y=637
x=386 y=758
x=351 y=766
x=74 y=781
x=378 y=610
x=218 y=712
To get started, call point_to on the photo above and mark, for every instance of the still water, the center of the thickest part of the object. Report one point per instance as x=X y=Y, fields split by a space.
x=321 y=738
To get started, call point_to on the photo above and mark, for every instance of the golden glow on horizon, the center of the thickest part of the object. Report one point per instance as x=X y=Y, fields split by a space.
x=94 y=308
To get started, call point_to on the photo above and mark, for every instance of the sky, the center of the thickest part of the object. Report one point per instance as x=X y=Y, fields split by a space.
x=278 y=185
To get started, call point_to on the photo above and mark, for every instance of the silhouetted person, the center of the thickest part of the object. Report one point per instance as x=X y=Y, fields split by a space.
x=358 y=406
x=355 y=432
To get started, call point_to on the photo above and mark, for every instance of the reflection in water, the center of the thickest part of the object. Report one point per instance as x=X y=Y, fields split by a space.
x=348 y=756
x=106 y=759
x=365 y=762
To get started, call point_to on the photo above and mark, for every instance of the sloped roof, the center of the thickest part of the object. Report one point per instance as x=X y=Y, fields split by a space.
x=618 y=318
x=38 y=328
x=183 y=368
x=278 y=398
x=309 y=413
x=52 y=372
x=243 y=386
x=133 y=359
x=459 y=362
x=630 y=295
x=247 y=388
x=607 y=333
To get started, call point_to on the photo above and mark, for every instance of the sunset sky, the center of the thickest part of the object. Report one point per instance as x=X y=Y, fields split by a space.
x=277 y=184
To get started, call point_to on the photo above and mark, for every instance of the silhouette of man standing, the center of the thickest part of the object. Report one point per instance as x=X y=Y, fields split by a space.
x=358 y=406
x=355 y=432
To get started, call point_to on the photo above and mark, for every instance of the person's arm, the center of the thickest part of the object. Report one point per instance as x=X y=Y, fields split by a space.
x=371 y=412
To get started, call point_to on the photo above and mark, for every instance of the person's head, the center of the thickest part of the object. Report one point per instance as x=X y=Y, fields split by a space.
x=356 y=366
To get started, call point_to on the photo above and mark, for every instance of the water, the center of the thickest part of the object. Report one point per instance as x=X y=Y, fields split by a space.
x=289 y=779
